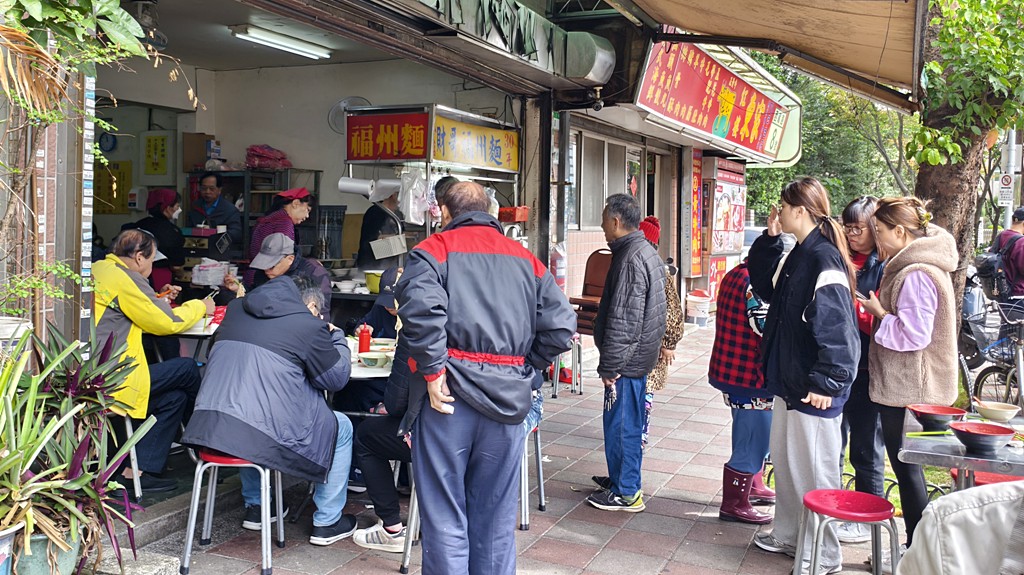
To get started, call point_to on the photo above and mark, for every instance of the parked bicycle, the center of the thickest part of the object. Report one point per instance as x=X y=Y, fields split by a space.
x=1000 y=381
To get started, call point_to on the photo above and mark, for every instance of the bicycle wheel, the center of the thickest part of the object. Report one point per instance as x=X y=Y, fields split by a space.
x=991 y=384
x=1011 y=392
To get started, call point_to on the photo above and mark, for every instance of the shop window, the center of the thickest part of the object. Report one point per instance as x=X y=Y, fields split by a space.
x=592 y=182
x=572 y=195
x=617 y=181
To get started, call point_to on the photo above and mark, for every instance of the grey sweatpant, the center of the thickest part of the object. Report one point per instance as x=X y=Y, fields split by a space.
x=805 y=453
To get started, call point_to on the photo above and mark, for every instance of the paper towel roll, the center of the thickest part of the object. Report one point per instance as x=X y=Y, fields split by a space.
x=357 y=186
x=384 y=189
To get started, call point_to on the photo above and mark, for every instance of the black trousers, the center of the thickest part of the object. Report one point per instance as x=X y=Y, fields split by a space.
x=174 y=385
x=863 y=427
x=913 y=491
x=376 y=445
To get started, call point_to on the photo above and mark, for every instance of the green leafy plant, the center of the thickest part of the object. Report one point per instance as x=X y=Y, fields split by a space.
x=56 y=475
x=20 y=288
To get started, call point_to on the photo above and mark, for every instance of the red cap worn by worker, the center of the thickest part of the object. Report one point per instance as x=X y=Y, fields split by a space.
x=294 y=194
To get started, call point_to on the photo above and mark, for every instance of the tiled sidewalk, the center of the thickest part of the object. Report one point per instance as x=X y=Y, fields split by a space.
x=679 y=533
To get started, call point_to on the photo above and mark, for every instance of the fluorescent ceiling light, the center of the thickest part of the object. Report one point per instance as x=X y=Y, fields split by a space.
x=279 y=41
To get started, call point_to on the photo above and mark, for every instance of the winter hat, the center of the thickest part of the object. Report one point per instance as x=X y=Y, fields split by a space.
x=651 y=228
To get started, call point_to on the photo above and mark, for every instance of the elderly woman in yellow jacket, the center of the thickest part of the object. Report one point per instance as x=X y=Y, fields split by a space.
x=125 y=307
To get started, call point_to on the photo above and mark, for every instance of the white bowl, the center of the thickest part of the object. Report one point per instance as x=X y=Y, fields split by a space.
x=996 y=411
x=373 y=358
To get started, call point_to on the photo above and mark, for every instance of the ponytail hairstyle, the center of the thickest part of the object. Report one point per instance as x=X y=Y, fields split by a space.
x=909 y=212
x=809 y=194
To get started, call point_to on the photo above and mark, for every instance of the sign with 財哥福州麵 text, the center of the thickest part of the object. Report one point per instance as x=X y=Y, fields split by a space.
x=474 y=145
x=374 y=137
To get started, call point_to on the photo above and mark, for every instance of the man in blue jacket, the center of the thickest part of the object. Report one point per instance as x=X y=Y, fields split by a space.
x=262 y=399
x=628 y=330
x=480 y=314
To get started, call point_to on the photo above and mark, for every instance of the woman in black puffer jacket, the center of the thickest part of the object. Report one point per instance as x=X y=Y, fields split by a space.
x=811 y=349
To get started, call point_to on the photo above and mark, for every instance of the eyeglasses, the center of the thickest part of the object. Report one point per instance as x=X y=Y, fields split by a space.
x=854 y=230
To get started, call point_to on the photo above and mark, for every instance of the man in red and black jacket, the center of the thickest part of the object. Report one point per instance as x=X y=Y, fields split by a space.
x=735 y=370
x=479 y=314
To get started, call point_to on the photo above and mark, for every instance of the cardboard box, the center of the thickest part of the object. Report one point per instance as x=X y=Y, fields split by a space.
x=194 y=150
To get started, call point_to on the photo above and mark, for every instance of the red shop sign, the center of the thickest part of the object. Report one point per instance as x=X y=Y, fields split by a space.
x=387 y=137
x=685 y=85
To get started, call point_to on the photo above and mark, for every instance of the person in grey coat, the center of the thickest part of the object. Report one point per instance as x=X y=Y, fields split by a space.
x=628 y=331
x=262 y=399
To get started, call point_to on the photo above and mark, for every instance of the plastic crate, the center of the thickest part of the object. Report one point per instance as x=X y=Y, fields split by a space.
x=514 y=214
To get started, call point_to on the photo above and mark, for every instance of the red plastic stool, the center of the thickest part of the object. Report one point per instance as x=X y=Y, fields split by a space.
x=976 y=478
x=214 y=460
x=824 y=506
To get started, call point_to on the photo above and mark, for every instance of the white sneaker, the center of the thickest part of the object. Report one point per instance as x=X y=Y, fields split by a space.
x=887 y=559
x=853 y=532
x=378 y=538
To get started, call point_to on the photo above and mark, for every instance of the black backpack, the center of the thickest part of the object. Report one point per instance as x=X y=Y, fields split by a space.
x=992 y=270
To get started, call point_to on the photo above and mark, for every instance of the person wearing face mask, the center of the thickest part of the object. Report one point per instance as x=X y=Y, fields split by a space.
x=288 y=209
x=164 y=207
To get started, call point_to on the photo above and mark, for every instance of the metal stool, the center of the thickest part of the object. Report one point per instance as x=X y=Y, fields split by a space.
x=524 y=481
x=213 y=460
x=823 y=506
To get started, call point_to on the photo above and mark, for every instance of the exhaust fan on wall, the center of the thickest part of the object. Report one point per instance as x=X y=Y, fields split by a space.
x=147 y=17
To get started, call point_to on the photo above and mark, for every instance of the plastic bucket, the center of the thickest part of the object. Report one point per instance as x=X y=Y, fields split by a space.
x=698 y=307
x=373 y=280
x=7 y=548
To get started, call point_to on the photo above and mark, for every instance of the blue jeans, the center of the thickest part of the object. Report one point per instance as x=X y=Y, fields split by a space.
x=329 y=497
x=751 y=429
x=623 y=428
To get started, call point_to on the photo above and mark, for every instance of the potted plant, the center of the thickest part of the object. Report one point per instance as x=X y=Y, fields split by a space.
x=56 y=469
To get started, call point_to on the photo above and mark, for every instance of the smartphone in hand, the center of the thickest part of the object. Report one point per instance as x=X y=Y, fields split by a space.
x=861 y=296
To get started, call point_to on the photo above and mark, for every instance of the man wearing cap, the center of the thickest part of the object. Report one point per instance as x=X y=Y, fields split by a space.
x=1015 y=259
x=125 y=307
x=289 y=209
x=383 y=316
x=212 y=210
x=377 y=224
x=277 y=258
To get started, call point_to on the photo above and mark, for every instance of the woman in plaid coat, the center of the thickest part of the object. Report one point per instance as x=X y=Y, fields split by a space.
x=735 y=370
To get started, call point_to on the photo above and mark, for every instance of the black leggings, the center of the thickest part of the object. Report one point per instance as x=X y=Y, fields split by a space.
x=913 y=492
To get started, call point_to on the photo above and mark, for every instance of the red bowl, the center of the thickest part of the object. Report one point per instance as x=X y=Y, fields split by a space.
x=935 y=417
x=981 y=438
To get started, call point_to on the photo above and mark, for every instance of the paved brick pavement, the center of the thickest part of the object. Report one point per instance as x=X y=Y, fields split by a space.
x=678 y=534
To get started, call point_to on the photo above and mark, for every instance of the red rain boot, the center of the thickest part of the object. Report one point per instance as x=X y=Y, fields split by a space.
x=735 y=499
x=761 y=494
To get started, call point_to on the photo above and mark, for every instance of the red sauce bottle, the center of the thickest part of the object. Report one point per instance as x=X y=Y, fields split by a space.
x=364 y=339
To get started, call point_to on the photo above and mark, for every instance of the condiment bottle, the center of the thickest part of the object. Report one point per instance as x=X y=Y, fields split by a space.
x=364 y=339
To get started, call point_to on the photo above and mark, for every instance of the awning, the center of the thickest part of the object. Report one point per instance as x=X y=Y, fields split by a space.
x=866 y=46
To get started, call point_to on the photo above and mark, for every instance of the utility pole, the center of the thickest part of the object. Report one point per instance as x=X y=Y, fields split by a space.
x=1009 y=167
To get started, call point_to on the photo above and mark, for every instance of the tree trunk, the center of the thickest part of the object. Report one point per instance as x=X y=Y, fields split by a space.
x=953 y=191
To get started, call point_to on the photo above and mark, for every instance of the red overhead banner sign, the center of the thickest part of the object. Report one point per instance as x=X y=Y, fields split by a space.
x=388 y=136
x=685 y=86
